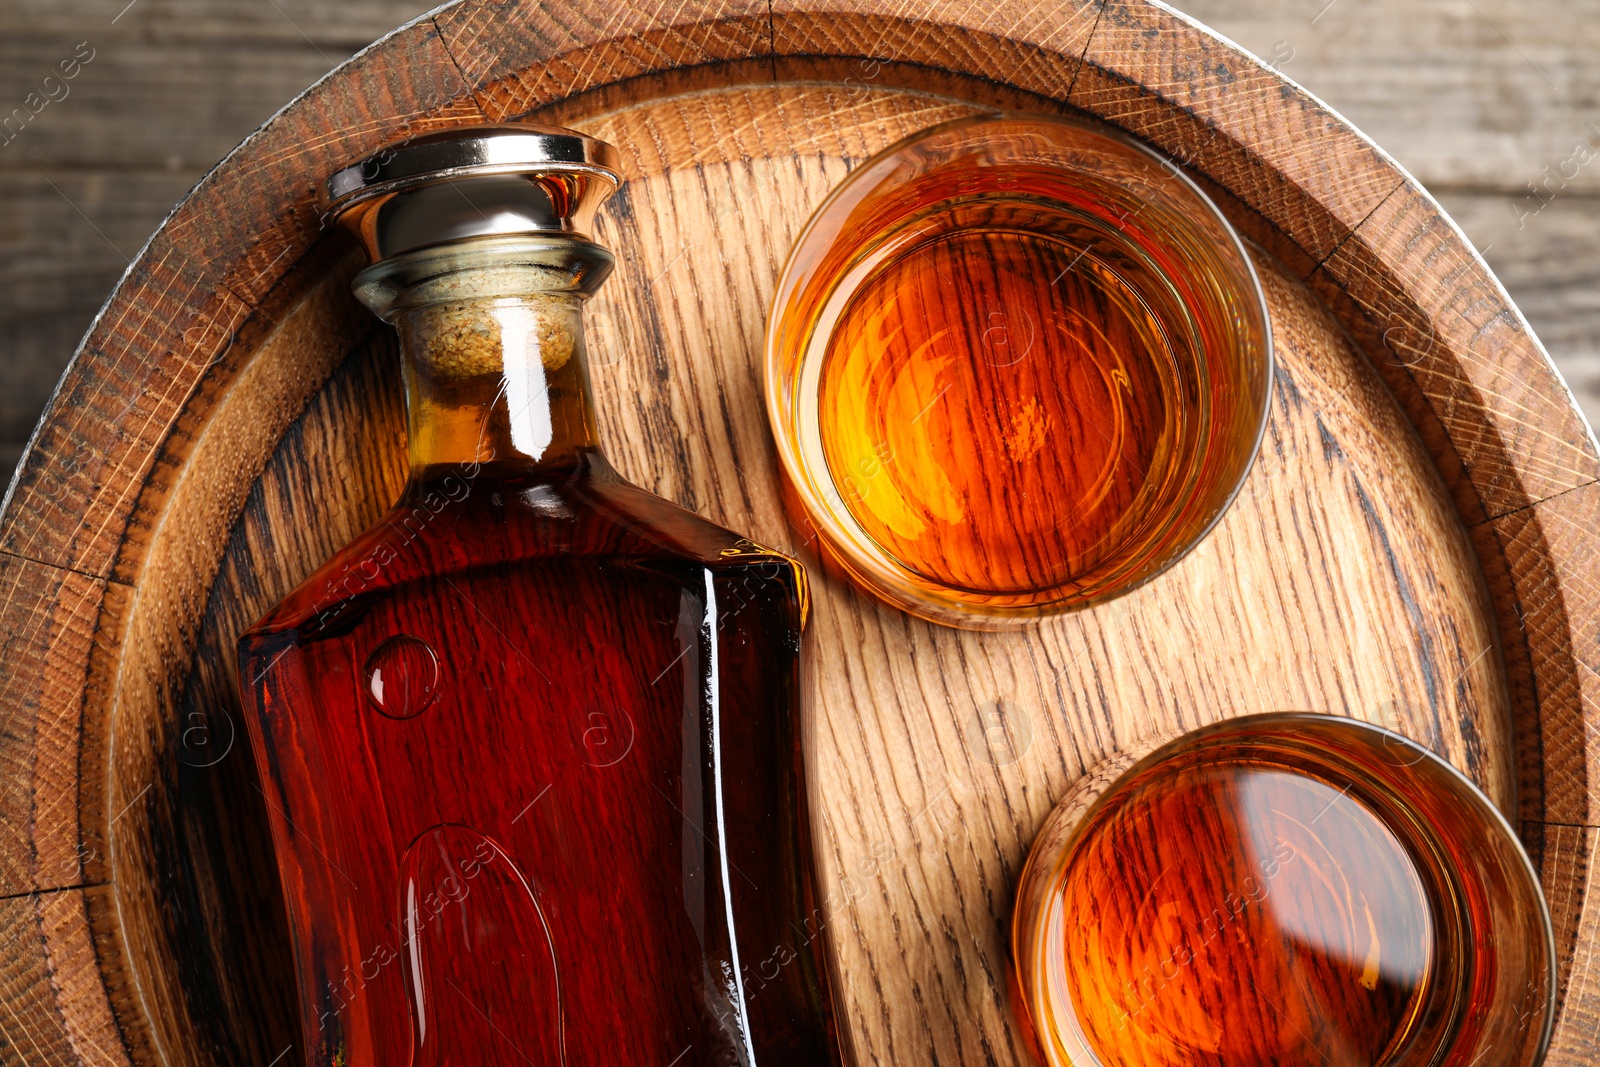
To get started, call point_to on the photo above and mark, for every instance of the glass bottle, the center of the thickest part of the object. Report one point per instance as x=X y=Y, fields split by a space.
x=531 y=744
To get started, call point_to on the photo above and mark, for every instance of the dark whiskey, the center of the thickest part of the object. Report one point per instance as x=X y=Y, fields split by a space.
x=531 y=744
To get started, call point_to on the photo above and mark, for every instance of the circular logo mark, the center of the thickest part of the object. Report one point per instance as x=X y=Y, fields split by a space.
x=607 y=737
x=1007 y=338
x=1397 y=746
x=205 y=739
x=1000 y=732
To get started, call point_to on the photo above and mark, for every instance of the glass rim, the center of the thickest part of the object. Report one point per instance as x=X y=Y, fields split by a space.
x=895 y=584
x=1153 y=753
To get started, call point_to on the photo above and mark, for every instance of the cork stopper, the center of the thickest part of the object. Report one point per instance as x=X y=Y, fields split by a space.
x=479 y=240
x=462 y=305
x=465 y=340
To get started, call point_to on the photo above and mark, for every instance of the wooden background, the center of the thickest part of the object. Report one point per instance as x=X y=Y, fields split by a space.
x=1475 y=97
x=162 y=495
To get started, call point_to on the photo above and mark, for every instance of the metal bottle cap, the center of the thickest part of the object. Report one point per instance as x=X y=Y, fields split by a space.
x=473 y=181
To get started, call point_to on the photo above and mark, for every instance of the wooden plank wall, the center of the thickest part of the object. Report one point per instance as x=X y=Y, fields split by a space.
x=1494 y=105
x=1478 y=98
x=172 y=87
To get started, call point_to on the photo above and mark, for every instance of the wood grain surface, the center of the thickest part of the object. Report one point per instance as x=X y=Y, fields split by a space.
x=1414 y=545
x=1473 y=99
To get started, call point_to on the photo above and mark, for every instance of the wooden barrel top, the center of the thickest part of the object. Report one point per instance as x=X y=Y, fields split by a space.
x=1415 y=545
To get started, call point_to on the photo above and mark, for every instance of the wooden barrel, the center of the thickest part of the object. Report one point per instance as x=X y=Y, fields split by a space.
x=1415 y=545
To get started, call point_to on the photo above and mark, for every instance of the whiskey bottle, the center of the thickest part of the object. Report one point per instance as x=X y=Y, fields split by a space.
x=531 y=744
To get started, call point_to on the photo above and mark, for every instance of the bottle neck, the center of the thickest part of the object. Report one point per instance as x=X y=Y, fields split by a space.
x=491 y=346
x=499 y=383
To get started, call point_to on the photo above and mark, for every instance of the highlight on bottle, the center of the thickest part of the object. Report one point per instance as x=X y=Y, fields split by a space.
x=1015 y=365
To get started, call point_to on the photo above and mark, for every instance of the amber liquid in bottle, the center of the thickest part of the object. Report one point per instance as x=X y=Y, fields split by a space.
x=1015 y=399
x=531 y=744
x=1240 y=913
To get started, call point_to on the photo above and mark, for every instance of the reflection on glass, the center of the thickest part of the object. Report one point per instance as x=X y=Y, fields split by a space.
x=1291 y=889
x=1235 y=913
x=1016 y=365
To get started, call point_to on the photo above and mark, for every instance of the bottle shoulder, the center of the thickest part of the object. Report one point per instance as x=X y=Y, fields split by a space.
x=458 y=527
x=683 y=532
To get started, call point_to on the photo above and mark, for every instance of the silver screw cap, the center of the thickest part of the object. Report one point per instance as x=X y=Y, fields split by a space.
x=471 y=182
